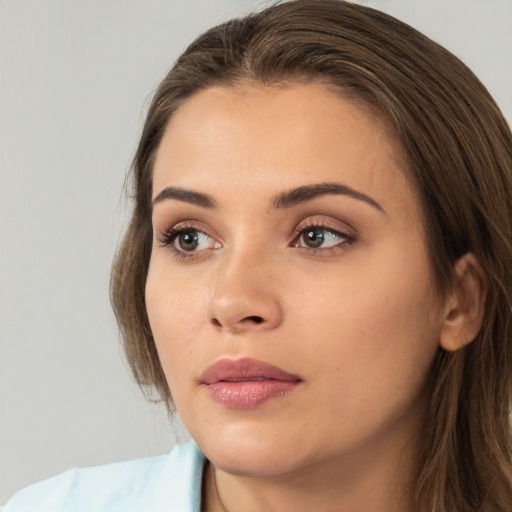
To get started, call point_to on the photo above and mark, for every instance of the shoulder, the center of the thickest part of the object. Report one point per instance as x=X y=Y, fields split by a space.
x=169 y=482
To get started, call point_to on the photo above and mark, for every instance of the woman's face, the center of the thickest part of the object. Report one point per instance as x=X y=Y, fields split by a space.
x=289 y=289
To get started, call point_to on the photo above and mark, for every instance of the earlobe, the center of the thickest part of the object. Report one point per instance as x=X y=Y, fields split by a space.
x=465 y=304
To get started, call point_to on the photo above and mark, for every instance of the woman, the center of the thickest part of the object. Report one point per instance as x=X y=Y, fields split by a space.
x=317 y=276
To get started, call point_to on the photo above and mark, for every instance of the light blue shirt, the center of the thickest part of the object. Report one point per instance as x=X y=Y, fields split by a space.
x=167 y=483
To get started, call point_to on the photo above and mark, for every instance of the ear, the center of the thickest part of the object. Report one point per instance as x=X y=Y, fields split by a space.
x=465 y=305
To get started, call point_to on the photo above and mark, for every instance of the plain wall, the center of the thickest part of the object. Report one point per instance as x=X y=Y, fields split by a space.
x=75 y=80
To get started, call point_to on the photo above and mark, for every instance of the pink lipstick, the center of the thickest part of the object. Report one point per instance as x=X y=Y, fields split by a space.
x=246 y=383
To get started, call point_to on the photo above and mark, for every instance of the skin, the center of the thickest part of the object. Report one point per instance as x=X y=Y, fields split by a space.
x=357 y=319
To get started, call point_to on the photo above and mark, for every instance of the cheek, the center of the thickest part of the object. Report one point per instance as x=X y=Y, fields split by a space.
x=174 y=309
x=373 y=332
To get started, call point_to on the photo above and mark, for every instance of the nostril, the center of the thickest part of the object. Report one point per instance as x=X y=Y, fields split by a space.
x=254 y=319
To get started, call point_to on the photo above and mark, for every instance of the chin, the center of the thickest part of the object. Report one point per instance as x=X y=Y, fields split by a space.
x=252 y=463
x=253 y=455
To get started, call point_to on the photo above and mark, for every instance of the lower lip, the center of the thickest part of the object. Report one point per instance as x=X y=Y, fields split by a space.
x=248 y=394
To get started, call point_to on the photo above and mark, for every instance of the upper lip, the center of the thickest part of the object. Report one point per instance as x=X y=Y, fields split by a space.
x=244 y=369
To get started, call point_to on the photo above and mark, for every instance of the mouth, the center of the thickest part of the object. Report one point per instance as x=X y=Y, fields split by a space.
x=246 y=383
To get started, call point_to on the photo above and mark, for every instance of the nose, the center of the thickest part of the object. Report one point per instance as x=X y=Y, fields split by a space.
x=244 y=295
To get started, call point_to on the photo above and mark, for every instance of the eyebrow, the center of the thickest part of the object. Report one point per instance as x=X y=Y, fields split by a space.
x=306 y=193
x=281 y=201
x=185 y=195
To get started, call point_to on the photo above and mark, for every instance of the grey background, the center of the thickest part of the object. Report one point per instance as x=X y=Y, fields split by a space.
x=75 y=80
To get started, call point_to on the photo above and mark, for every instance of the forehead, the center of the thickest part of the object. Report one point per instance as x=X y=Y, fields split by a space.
x=265 y=139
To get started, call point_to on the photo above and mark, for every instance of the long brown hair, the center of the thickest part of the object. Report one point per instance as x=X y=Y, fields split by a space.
x=459 y=150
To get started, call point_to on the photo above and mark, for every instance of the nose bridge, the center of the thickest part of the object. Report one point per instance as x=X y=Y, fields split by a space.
x=244 y=295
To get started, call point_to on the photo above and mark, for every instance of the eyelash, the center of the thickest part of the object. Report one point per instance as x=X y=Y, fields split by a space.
x=168 y=239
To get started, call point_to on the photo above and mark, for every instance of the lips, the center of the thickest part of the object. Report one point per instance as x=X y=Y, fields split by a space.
x=246 y=383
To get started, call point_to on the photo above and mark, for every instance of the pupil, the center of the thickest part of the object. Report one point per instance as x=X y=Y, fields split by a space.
x=314 y=238
x=188 y=241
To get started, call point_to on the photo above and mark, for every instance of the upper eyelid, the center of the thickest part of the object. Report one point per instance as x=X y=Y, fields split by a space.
x=328 y=223
x=305 y=227
x=191 y=225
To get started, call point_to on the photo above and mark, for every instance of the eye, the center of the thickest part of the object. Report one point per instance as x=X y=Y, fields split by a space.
x=321 y=237
x=192 y=240
x=186 y=241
